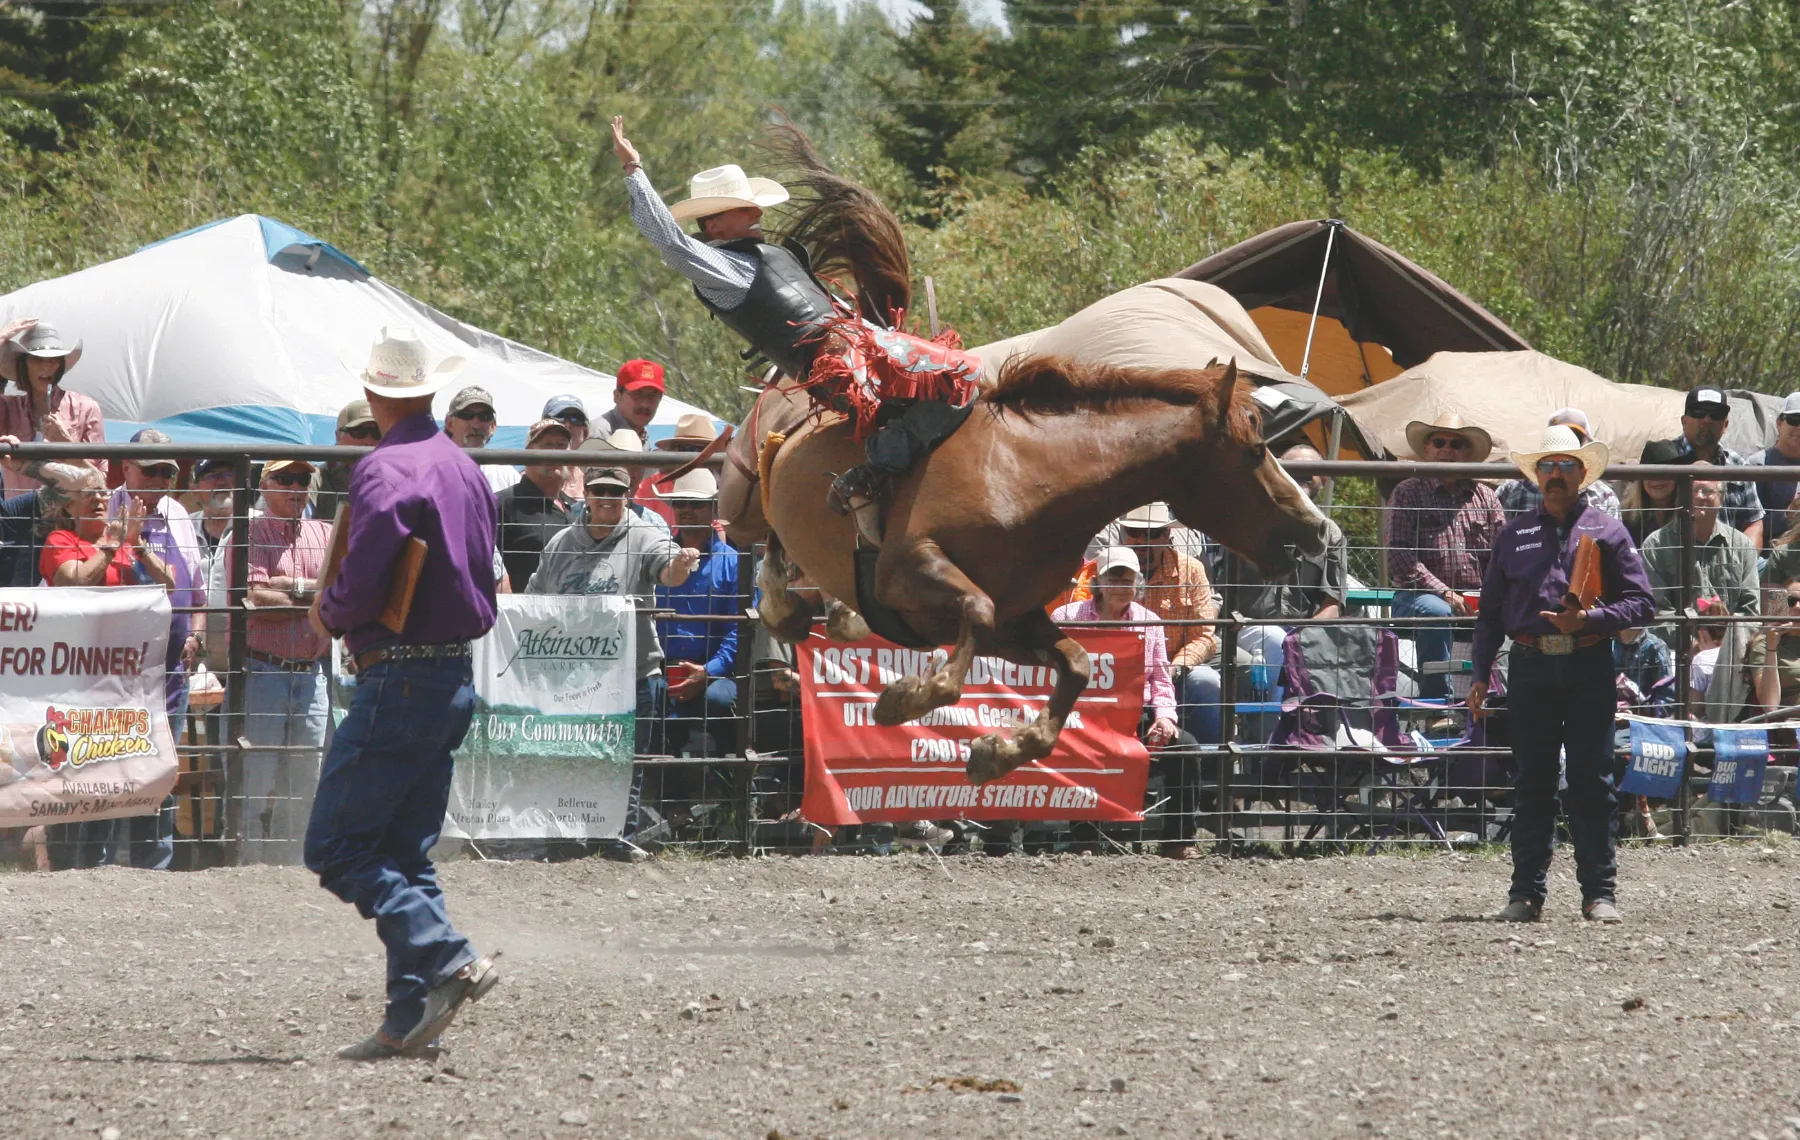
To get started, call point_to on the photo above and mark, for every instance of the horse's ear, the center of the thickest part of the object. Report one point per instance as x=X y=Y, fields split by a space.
x=1227 y=391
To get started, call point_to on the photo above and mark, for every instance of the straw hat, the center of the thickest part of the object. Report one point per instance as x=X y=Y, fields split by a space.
x=726 y=188
x=42 y=340
x=624 y=440
x=1150 y=516
x=1561 y=439
x=1481 y=444
x=692 y=432
x=697 y=486
x=400 y=366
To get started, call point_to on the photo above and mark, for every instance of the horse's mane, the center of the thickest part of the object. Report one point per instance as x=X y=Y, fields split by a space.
x=1056 y=385
x=847 y=229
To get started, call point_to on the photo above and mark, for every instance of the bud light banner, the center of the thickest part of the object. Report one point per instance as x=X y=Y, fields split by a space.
x=548 y=755
x=84 y=723
x=1740 y=755
x=1658 y=753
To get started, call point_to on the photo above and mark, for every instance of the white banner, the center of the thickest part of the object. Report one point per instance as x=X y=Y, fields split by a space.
x=84 y=723
x=549 y=752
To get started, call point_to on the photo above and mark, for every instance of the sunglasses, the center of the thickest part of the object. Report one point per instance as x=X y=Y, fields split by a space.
x=365 y=431
x=573 y=419
x=291 y=479
x=1448 y=443
x=158 y=472
x=1553 y=466
x=1791 y=420
x=483 y=415
x=1711 y=412
x=1793 y=601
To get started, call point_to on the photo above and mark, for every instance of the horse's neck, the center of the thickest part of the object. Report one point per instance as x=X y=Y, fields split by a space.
x=1146 y=456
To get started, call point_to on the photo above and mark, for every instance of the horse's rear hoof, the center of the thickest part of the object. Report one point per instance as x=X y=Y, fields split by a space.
x=890 y=706
x=843 y=623
x=992 y=757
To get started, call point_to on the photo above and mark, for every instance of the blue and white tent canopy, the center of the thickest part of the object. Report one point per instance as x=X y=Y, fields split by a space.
x=249 y=329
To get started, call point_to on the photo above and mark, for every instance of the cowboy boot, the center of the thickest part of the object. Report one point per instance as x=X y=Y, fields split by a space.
x=861 y=492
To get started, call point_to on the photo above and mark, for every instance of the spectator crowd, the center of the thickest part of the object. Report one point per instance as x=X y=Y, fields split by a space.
x=604 y=527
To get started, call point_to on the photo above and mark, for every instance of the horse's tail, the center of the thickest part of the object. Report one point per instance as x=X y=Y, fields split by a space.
x=848 y=230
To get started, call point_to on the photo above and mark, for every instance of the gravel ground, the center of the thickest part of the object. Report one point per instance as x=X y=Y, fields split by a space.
x=901 y=997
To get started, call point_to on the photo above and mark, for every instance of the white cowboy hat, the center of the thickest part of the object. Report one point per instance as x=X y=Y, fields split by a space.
x=727 y=188
x=625 y=440
x=400 y=366
x=697 y=486
x=1560 y=439
x=1150 y=516
x=41 y=340
x=1481 y=444
x=693 y=431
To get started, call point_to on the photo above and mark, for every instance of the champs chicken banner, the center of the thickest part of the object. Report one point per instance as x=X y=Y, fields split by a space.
x=859 y=772
x=84 y=728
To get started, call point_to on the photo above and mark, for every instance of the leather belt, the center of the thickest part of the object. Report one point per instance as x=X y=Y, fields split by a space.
x=448 y=651
x=286 y=664
x=1559 y=644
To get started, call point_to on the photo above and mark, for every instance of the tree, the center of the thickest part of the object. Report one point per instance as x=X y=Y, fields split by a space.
x=55 y=58
x=942 y=124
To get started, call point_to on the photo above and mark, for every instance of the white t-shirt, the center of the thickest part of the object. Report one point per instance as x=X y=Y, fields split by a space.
x=1700 y=669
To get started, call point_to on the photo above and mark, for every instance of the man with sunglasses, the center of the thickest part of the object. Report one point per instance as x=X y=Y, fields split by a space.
x=356 y=427
x=1439 y=531
x=1703 y=421
x=1780 y=510
x=470 y=422
x=571 y=413
x=1560 y=682
x=1521 y=496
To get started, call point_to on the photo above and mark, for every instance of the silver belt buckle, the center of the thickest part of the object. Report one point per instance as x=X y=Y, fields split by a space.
x=1556 y=644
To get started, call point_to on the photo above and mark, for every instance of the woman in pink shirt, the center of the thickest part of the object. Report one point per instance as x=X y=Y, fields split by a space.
x=1175 y=754
x=33 y=359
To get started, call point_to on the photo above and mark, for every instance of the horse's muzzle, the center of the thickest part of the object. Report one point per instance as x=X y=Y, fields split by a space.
x=1307 y=541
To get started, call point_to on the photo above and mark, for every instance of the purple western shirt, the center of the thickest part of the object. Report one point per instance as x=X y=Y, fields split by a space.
x=416 y=483
x=1529 y=573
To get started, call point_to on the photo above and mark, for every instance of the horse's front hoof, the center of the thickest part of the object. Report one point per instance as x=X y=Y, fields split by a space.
x=992 y=757
x=844 y=624
x=890 y=706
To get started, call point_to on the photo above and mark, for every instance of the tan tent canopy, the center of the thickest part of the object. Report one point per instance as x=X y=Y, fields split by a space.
x=1176 y=324
x=1512 y=394
x=1380 y=312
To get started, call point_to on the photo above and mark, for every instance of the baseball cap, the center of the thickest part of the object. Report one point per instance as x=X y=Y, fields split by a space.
x=211 y=467
x=635 y=374
x=606 y=477
x=1791 y=405
x=274 y=465
x=1113 y=557
x=152 y=435
x=1706 y=397
x=559 y=406
x=542 y=426
x=355 y=414
x=698 y=485
x=1574 y=417
x=470 y=397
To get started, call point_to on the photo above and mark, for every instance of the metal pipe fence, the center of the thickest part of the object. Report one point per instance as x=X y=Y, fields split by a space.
x=728 y=775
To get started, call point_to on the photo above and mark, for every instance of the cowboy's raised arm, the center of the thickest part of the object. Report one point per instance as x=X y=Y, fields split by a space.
x=721 y=278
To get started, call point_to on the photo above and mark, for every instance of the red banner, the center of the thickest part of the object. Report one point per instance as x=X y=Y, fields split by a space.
x=860 y=772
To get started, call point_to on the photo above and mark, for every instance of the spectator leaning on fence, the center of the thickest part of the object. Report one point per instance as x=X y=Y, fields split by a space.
x=701 y=655
x=285 y=703
x=1560 y=686
x=1175 y=588
x=27 y=517
x=356 y=427
x=1724 y=564
x=470 y=422
x=1173 y=750
x=1440 y=530
x=1521 y=496
x=36 y=407
x=1703 y=423
x=615 y=552
x=169 y=530
x=1777 y=679
x=535 y=508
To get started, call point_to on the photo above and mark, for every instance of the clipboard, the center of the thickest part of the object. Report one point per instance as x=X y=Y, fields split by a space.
x=1586 y=583
x=403 y=584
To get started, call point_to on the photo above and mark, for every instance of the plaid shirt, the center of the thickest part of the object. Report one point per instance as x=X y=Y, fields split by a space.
x=1742 y=506
x=1641 y=665
x=1521 y=496
x=1439 y=537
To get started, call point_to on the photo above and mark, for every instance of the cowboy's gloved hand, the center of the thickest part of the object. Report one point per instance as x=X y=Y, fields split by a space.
x=622 y=147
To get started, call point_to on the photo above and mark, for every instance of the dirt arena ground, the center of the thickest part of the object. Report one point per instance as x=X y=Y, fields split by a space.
x=897 y=997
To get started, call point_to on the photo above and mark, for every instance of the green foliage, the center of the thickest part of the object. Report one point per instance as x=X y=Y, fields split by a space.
x=940 y=125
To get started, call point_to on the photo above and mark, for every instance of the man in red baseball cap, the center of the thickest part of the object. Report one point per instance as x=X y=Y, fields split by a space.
x=637 y=392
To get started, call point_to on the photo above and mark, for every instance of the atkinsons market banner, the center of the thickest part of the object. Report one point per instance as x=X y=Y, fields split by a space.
x=860 y=772
x=84 y=727
x=548 y=754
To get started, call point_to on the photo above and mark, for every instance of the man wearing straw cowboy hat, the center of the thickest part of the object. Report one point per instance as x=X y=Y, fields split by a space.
x=386 y=780
x=767 y=294
x=1560 y=688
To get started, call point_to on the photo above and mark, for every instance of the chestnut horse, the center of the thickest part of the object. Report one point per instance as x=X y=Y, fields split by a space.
x=993 y=524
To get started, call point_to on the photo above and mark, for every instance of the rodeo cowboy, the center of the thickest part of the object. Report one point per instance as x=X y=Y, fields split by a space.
x=902 y=393
x=1562 y=581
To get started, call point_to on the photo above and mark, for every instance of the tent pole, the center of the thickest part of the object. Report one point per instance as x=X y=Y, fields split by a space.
x=1318 y=297
x=1333 y=443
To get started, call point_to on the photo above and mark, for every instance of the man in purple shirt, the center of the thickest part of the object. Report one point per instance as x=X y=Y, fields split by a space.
x=1560 y=685
x=386 y=780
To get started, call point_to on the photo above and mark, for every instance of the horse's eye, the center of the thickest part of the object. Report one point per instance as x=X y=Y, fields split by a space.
x=1254 y=456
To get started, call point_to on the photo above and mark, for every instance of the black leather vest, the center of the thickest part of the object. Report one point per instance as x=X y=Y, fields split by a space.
x=785 y=308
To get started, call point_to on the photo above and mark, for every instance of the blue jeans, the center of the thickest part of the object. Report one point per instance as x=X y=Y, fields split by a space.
x=281 y=710
x=1562 y=707
x=1197 y=699
x=703 y=725
x=148 y=841
x=379 y=808
x=1433 y=640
